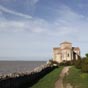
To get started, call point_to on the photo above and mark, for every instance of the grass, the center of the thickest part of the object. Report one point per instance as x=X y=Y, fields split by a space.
x=49 y=80
x=76 y=78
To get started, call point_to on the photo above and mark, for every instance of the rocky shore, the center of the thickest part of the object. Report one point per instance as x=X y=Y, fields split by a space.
x=24 y=79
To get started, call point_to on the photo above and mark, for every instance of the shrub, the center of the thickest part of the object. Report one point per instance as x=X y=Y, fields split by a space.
x=66 y=63
x=86 y=55
x=78 y=63
x=85 y=65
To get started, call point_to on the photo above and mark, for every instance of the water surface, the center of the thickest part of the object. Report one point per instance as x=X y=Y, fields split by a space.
x=7 y=67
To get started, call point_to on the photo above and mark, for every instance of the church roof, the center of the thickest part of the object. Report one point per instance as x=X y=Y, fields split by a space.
x=66 y=48
x=76 y=48
x=57 y=48
x=65 y=42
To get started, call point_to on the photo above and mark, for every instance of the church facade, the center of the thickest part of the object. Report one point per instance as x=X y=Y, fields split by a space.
x=66 y=52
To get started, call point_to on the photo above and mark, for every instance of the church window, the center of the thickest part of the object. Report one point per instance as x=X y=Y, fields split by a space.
x=68 y=54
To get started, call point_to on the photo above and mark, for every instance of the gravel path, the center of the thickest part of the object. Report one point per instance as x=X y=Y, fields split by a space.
x=59 y=82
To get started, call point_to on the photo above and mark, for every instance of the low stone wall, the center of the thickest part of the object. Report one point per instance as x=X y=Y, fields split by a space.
x=24 y=80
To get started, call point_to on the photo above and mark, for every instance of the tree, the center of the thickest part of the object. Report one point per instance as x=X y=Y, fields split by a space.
x=87 y=55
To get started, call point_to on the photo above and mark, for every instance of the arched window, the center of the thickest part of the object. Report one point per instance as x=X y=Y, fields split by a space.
x=68 y=54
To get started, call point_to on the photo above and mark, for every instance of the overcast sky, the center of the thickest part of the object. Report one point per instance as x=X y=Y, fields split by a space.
x=31 y=28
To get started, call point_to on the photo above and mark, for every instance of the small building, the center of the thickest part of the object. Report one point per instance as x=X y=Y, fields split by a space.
x=66 y=52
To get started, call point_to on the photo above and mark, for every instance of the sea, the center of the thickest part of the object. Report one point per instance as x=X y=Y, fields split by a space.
x=7 y=67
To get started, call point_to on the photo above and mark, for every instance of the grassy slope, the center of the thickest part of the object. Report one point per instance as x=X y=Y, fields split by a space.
x=49 y=80
x=76 y=77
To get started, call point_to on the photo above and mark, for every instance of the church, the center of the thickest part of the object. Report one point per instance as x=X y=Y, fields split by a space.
x=66 y=52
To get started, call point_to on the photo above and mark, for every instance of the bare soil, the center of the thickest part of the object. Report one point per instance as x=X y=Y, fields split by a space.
x=59 y=82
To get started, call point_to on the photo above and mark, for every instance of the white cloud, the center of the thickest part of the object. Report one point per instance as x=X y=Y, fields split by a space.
x=70 y=22
x=14 y=13
x=32 y=2
x=11 y=26
x=8 y=0
x=33 y=26
x=67 y=23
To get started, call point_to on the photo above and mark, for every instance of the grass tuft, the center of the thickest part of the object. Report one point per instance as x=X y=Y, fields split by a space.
x=76 y=78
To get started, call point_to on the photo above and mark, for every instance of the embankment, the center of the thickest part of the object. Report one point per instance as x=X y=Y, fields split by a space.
x=25 y=80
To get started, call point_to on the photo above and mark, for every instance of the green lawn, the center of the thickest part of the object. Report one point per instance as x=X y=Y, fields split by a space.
x=76 y=78
x=49 y=80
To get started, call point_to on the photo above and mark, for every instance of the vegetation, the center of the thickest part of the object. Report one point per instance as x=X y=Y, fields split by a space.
x=77 y=78
x=49 y=80
x=78 y=63
x=87 y=55
x=78 y=74
x=82 y=64
x=66 y=63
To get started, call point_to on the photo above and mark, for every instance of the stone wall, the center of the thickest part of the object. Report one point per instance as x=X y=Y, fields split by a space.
x=66 y=45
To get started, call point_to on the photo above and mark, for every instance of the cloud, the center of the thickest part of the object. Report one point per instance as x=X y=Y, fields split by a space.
x=31 y=26
x=2 y=8
x=0 y=12
x=7 y=0
x=68 y=23
x=33 y=2
x=11 y=26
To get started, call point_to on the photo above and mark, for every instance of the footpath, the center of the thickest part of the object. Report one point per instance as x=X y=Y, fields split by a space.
x=59 y=82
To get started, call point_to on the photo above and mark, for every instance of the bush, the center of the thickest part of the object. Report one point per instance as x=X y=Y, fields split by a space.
x=66 y=63
x=86 y=55
x=78 y=63
x=82 y=63
x=85 y=65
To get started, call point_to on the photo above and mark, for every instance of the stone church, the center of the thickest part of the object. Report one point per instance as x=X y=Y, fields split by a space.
x=66 y=52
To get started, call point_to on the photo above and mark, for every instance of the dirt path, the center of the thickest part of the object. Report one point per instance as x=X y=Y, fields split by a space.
x=59 y=82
